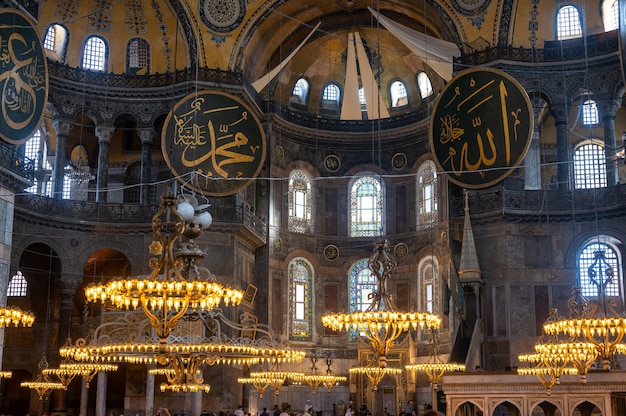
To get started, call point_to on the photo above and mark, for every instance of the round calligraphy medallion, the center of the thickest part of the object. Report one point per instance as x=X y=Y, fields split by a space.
x=279 y=151
x=23 y=77
x=331 y=252
x=222 y=15
x=398 y=161
x=400 y=250
x=481 y=127
x=213 y=142
x=332 y=163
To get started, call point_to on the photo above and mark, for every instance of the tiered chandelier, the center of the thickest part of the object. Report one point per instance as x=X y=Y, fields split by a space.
x=594 y=331
x=552 y=356
x=177 y=290
x=42 y=384
x=315 y=378
x=435 y=367
x=381 y=323
x=15 y=316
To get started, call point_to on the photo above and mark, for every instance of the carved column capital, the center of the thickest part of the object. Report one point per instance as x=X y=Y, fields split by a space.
x=61 y=127
x=146 y=135
x=104 y=134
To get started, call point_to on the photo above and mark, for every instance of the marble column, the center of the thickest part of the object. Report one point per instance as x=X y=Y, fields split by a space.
x=532 y=160
x=607 y=109
x=146 y=136
x=101 y=394
x=84 y=397
x=197 y=403
x=562 y=146
x=149 y=394
x=62 y=130
x=104 y=135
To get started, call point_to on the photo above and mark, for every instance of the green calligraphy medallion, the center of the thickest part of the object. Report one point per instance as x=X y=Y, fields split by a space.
x=481 y=127
x=213 y=142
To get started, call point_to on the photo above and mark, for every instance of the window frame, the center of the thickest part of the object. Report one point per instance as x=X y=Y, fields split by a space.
x=129 y=57
x=296 y=223
x=429 y=85
x=357 y=228
x=610 y=15
x=105 y=54
x=584 y=258
x=18 y=286
x=393 y=97
x=331 y=106
x=303 y=325
x=569 y=34
x=589 y=112
x=587 y=173
x=427 y=218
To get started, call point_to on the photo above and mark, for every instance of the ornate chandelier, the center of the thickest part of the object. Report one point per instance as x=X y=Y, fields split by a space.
x=42 y=384
x=595 y=321
x=435 y=367
x=15 y=316
x=315 y=379
x=179 y=293
x=381 y=323
x=375 y=373
x=176 y=284
x=5 y=374
x=67 y=371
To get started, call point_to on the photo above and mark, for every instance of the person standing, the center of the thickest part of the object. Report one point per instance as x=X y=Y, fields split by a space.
x=265 y=413
x=239 y=411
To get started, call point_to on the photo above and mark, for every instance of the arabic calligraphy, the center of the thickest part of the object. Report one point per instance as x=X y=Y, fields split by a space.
x=23 y=77
x=481 y=127
x=216 y=136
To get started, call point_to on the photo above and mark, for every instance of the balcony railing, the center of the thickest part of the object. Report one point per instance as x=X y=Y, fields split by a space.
x=581 y=203
x=84 y=212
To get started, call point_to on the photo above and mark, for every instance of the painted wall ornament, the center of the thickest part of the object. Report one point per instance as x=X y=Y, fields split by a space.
x=213 y=142
x=481 y=127
x=23 y=77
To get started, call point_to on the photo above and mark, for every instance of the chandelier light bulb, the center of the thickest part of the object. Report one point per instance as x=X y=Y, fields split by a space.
x=185 y=209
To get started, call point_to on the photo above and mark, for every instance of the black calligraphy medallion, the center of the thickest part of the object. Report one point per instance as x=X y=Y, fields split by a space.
x=23 y=77
x=481 y=127
x=213 y=142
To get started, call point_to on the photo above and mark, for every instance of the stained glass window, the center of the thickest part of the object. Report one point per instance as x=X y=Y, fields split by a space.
x=589 y=166
x=587 y=257
x=366 y=207
x=427 y=195
x=300 y=299
x=362 y=284
x=17 y=285
x=300 y=202
x=429 y=285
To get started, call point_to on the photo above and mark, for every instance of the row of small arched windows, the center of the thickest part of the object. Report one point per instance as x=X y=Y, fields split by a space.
x=96 y=51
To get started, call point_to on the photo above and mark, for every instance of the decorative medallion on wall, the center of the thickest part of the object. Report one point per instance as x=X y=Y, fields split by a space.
x=222 y=15
x=398 y=161
x=401 y=250
x=332 y=163
x=136 y=23
x=100 y=17
x=279 y=151
x=481 y=127
x=23 y=77
x=213 y=142
x=331 y=252
x=278 y=245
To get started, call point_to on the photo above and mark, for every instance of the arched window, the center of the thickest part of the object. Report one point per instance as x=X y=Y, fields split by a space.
x=94 y=54
x=35 y=151
x=55 y=40
x=568 y=24
x=589 y=166
x=427 y=195
x=590 y=113
x=428 y=290
x=399 y=96
x=363 y=101
x=610 y=14
x=423 y=82
x=599 y=254
x=300 y=299
x=362 y=284
x=331 y=97
x=366 y=207
x=138 y=56
x=300 y=91
x=18 y=286
x=300 y=202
